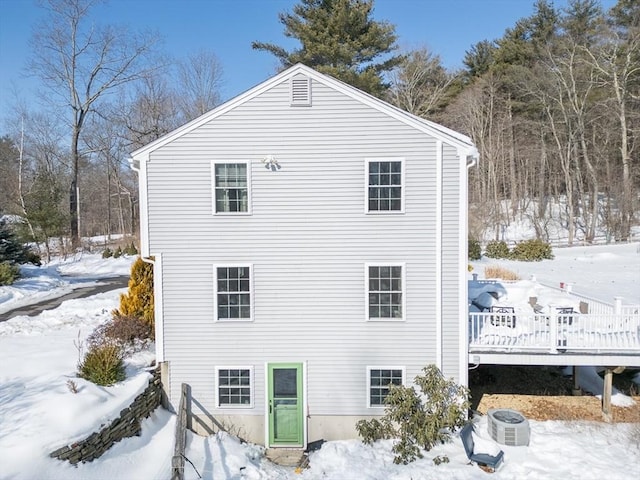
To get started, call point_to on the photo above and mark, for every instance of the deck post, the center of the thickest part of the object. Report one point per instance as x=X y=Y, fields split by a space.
x=617 y=305
x=577 y=391
x=553 y=333
x=606 y=395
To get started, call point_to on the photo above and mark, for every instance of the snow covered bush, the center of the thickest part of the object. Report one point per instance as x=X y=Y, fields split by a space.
x=131 y=333
x=418 y=421
x=532 y=251
x=130 y=249
x=496 y=249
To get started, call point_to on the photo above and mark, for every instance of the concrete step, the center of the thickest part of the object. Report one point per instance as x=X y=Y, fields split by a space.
x=287 y=457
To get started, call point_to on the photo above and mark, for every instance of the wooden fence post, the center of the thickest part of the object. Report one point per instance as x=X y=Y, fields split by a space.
x=177 y=461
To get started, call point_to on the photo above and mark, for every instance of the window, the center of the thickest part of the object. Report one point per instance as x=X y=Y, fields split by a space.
x=234 y=387
x=233 y=293
x=384 y=185
x=231 y=188
x=385 y=292
x=379 y=380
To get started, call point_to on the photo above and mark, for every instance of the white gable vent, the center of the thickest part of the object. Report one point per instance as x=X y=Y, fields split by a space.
x=300 y=91
x=508 y=427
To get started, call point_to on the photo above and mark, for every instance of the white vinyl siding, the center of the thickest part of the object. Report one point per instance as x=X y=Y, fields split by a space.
x=231 y=187
x=233 y=292
x=234 y=387
x=307 y=241
x=378 y=381
x=385 y=185
x=385 y=291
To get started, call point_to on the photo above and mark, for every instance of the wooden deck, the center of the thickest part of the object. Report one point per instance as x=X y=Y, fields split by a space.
x=543 y=339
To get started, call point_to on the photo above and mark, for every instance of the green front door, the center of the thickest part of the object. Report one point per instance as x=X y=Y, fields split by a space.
x=286 y=419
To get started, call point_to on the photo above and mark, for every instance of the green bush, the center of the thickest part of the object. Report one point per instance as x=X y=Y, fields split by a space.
x=497 y=249
x=107 y=253
x=418 y=421
x=33 y=257
x=131 y=249
x=103 y=364
x=9 y=273
x=475 y=252
x=118 y=253
x=532 y=251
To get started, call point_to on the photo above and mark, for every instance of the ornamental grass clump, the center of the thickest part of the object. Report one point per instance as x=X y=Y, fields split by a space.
x=419 y=421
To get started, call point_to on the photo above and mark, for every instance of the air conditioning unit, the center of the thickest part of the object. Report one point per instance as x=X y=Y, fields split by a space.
x=508 y=427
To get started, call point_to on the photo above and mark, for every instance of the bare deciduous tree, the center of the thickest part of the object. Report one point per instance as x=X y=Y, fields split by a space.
x=419 y=85
x=200 y=79
x=80 y=62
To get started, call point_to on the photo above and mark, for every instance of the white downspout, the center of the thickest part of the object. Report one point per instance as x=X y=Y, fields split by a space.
x=140 y=166
x=438 y=299
x=471 y=159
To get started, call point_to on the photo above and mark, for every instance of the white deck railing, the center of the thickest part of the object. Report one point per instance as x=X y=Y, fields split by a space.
x=515 y=332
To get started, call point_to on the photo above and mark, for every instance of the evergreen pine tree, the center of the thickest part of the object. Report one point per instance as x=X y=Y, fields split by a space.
x=11 y=250
x=339 y=38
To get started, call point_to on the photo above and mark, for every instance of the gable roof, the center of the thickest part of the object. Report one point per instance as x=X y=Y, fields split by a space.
x=438 y=131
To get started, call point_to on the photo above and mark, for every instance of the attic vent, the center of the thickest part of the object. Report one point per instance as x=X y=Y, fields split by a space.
x=301 y=91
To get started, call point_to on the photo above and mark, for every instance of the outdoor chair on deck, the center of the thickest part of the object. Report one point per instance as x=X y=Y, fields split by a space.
x=565 y=315
x=507 y=319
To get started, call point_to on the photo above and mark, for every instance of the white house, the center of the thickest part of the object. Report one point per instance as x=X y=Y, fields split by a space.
x=309 y=248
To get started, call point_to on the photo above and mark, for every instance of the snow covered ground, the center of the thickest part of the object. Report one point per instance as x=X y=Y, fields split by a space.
x=39 y=413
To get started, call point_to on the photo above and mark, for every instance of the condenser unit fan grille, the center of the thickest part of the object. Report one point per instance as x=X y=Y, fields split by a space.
x=508 y=427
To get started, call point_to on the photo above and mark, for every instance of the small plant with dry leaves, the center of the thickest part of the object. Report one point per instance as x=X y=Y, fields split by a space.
x=72 y=386
x=131 y=333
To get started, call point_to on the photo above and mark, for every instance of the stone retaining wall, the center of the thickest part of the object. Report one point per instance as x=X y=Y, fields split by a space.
x=126 y=425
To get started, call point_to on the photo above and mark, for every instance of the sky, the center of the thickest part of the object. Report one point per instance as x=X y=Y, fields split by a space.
x=448 y=28
x=39 y=413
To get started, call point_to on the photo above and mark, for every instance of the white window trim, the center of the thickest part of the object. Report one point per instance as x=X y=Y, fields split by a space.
x=251 y=388
x=215 y=292
x=369 y=368
x=213 y=187
x=366 y=186
x=404 y=291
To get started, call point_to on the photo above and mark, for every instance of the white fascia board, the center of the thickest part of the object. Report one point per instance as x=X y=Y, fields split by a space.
x=440 y=132
x=143 y=152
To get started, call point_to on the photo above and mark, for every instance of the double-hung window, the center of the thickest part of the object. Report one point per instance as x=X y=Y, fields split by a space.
x=385 y=189
x=234 y=386
x=231 y=187
x=379 y=379
x=233 y=292
x=385 y=298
